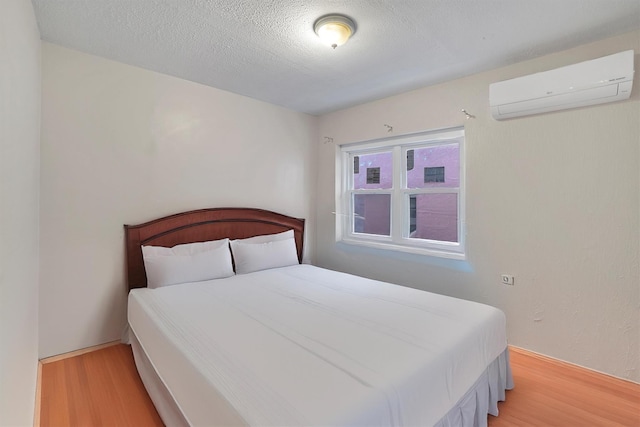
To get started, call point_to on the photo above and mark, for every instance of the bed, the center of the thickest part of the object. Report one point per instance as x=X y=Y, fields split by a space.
x=301 y=345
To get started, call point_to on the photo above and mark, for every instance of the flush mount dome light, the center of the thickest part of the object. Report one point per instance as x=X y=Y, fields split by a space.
x=334 y=30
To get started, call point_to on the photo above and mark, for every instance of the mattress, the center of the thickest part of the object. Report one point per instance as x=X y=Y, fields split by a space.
x=302 y=345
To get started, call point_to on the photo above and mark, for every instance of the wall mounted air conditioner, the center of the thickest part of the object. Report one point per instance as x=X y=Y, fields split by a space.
x=600 y=80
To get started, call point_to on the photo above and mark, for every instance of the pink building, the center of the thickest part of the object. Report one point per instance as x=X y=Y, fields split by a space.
x=432 y=216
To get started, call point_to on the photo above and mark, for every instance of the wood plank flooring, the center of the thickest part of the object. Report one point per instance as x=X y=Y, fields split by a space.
x=102 y=388
x=99 y=388
x=548 y=392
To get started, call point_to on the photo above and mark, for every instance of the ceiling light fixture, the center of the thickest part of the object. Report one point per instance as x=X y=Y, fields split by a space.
x=334 y=30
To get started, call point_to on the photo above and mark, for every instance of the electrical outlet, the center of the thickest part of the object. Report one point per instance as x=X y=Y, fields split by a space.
x=507 y=280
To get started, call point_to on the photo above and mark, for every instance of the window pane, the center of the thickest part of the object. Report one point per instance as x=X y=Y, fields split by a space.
x=434 y=217
x=435 y=166
x=372 y=214
x=374 y=171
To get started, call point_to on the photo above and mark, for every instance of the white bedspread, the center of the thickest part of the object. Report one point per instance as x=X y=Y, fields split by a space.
x=301 y=345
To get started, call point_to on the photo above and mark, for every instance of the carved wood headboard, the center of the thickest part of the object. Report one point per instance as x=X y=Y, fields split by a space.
x=201 y=226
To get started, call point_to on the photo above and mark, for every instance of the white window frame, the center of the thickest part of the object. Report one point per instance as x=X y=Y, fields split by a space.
x=399 y=239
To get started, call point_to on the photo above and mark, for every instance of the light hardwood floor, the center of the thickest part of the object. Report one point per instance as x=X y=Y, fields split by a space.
x=548 y=392
x=99 y=388
x=102 y=388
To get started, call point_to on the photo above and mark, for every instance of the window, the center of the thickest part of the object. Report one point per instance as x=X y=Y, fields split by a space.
x=373 y=175
x=411 y=197
x=409 y=160
x=434 y=174
x=413 y=213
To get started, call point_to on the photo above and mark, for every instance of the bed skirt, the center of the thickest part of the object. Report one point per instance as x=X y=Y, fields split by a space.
x=162 y=399
x=483 y=397
x=470 y=411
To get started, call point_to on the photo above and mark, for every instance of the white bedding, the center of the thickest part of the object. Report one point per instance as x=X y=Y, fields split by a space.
x=301 y=345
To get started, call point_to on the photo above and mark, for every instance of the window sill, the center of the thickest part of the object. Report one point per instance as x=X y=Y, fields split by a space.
x=407 y=249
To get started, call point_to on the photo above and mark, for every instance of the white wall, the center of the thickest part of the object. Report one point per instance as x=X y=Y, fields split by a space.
x=19 y=180
x=125 y=145
x=552 y=199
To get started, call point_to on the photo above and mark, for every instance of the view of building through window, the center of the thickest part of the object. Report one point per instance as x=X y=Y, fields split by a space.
x=432 y=216
x=372 y=212
x=436 y=166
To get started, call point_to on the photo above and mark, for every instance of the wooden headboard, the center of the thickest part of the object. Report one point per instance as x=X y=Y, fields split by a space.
x=201 y=226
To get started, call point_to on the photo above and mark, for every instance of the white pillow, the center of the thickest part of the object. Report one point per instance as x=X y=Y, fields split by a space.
x=267 y=238
x=192 y=262
x=263 y=252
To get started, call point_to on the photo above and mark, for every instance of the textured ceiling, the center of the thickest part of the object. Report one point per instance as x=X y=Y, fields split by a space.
x=267 y=50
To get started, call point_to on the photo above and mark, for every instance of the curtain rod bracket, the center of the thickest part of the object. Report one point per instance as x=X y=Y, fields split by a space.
x=469 y=116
